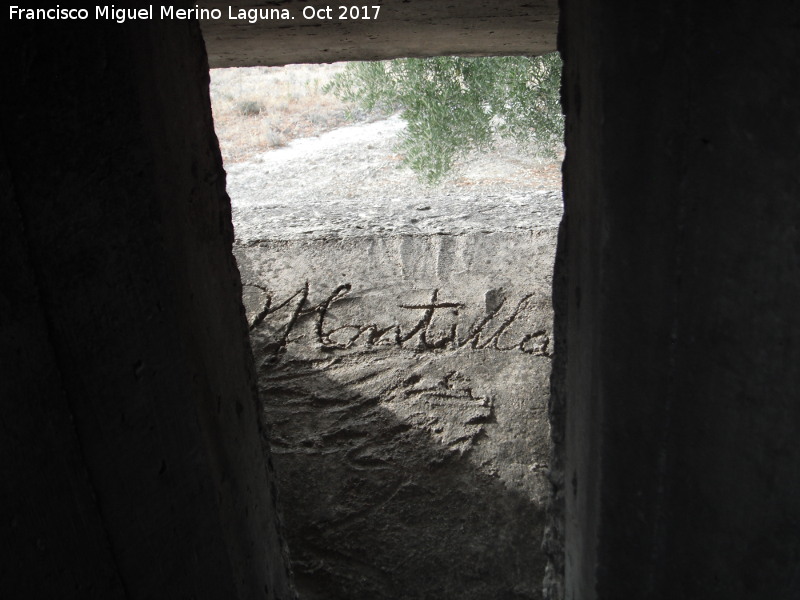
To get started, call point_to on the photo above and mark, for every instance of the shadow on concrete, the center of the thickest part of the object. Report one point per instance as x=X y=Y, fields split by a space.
x=380 y=503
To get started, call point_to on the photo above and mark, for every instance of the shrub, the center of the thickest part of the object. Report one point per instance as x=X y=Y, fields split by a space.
x=249 y=108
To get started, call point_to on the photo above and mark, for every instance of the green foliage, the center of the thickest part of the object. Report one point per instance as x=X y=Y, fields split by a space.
x=453 y=105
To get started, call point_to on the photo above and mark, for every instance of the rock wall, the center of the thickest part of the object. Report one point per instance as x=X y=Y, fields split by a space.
x=405 y=385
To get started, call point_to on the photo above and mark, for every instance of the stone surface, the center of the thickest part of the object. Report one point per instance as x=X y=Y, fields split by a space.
x=678 y=287
x=132 y=461
x=349 y=182
x=402 y=335
x=405 y=382
x=408 y=28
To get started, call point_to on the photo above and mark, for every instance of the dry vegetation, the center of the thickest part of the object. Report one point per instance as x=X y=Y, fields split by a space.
x=260 y=108
x=257 y=109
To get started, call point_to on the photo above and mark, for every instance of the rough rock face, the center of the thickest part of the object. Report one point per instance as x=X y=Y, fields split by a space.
x=405 y=381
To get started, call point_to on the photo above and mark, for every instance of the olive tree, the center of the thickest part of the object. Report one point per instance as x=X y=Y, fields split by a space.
x=453 y=105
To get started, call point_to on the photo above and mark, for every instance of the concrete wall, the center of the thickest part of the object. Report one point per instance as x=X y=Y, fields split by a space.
x=677 y=288
x=407 y=28
x=132 y=462
x=405 y=381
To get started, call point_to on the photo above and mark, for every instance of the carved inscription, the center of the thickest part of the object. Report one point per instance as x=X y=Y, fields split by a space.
x=435 y=324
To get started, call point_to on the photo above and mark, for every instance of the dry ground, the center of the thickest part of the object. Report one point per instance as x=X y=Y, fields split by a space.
x=264 y=108
x=260 y=108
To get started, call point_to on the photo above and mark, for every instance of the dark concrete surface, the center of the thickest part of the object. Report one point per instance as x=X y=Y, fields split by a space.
x=677 y=295
x=132 y=461
x=402 y=28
